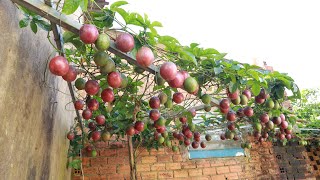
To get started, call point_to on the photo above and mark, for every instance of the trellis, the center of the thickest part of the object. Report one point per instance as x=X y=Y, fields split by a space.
x=59 y=20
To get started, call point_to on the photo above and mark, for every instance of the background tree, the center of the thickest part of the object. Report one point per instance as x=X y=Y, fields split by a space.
x=307 y=109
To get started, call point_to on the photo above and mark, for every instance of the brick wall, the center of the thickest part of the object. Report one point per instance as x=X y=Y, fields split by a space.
x=266 y=161
x=313 y=155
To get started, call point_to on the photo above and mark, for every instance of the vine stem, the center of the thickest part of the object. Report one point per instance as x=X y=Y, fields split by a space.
x=133 y=173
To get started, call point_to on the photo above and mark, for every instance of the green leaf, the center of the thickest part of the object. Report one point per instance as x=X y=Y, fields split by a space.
x=255 y=88
x=250 y=82
x=168 y=122
x=208 y=52
x=79 y=45
x=26 y=11
x=217 y=70
x=70 y=6
x=122 y=13
x=24 y=22
x=236 y=67
x=168 y=39
x=285 y=81
x=275 y=113
x=117 y=4
x=193 y=45
x=189 y=56
x=76 y=164
x=33 y=27
x=84 y=5
x=156 y=24
x=156 y=87
x=233 y=87
x=171 y=43
x=68 y=36
x=280 y=92
x=137 y=46
x=237 y=126
x=153 y=31
x=233 y=78
x=135 y=19
x=103 y=19
x=168 y=92
x=220 y=56
x=297 y=94
x=254 y=74
x=295 y=87
x=146 y=19
x=43 y=25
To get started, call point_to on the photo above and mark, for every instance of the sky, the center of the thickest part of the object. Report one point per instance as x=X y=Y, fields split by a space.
x=284 y=33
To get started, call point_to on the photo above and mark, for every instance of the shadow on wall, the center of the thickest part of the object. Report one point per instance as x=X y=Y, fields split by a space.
x=33 y=117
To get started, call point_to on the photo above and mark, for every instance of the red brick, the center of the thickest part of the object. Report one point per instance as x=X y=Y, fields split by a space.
x=232 y=176
x=271 y=151
x=264 y=151
x=118 y=160
x=90 y=170
x=107 y=170
x=177 y=158
x=99 y=161
x=164 y=158
x=254 y=153
x=143 y=167
x=101 y=144
x=139 y=159
x=115 y=176
x=266 y=144
x=202 y=164
x=108 y=152
x=180 y=173
x=165 y=174
x=173 y=166
x=154 y=152
x=200 y=178
x=248 y=167
x=148 y=159
x=158 y=167
x=236 y=168
x=242 y=160
x=85 y=161
x=170 y=152
x=246 y=175
x=274 y=170
x=97 y=177
x=143 y=152
x=195 y=172
x=218 y=177
x=209 y=171
x=267 y=158
x=217 y=163
x=223 y=170
x=254 y=160
x=118 y=145
x=149 y=175
x=123 y=152
x=77 y=178
x=230 y=162
x=188 y=165
x=123 y=169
